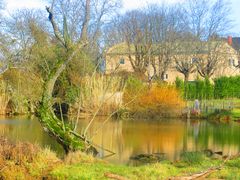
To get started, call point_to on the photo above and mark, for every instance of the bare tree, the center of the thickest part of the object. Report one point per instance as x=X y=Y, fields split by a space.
x=168 y=24
x=137 y=33
x=197 y=11
x=207 y=22
x=213 y=54
x=186 y=56
x=113 y=33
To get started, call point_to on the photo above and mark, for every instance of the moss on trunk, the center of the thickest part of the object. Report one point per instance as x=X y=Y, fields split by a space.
x=58 y=129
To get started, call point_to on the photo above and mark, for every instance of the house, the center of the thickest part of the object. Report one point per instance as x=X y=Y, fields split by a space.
x=226 y=53
x=235 y=43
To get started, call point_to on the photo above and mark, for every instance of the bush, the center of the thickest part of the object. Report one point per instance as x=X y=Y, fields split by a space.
x=160 y=100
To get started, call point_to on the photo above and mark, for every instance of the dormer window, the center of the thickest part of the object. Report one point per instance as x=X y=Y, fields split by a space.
x=122 y=61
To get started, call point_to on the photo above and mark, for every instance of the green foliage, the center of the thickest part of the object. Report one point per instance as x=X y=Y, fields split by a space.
x=199 y=89
x=227 y=87
x=179 y=83
x=72 y=93
x=209 y=88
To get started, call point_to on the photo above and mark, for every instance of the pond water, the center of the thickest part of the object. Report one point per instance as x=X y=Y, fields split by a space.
x=134 y=137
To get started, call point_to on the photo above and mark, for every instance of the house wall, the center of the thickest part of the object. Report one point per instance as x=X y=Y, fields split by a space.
x=224 y=68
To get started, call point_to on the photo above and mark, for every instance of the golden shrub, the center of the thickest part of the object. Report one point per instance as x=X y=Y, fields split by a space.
x=161 y=100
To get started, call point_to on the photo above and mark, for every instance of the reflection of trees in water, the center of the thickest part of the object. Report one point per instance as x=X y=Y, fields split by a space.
x=129 y=138
x=217 y=137
x=154 y=137
x=109 y=137
x=26 y=129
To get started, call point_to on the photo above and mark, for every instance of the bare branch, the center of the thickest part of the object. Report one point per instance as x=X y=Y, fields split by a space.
x=55 y=27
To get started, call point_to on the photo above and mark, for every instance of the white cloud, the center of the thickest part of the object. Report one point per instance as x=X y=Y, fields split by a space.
x=133 y=4
x=18 y=4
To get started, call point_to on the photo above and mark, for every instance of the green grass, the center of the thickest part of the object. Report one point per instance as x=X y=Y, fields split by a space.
x=235 y=113
x=163 y=170
x=190 y=163
x=231 y=170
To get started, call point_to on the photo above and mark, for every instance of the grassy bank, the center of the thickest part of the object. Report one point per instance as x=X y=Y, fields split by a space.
x=27 y=161
x=224 y=115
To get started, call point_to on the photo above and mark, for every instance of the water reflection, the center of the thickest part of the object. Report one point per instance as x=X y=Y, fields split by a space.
x=27 y=129
x=172 y=137
x=130 y=138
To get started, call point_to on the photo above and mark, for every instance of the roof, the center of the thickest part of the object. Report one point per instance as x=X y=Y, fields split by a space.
x=236 y=43
x=179 y=47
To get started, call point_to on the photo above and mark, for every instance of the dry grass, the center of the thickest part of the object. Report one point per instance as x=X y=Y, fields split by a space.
x=25 y=161
x=101 y=93
x=78 y=157
x=4 y=98
x=18 y=91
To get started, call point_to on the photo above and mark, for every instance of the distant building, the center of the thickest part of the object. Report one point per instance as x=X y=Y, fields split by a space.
x=117 y=60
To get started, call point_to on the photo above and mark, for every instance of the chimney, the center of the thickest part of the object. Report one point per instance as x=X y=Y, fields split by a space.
x=230 y=40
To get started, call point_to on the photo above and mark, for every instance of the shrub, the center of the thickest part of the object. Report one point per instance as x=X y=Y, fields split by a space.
x=199 y=89
x=160 y=100
x=226 y=87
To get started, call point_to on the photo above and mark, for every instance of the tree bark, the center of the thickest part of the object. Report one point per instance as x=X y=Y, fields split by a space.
x=186 y=77
x=86 y=21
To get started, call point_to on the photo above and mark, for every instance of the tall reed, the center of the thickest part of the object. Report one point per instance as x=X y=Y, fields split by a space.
x=4 y=98
x=100 y=93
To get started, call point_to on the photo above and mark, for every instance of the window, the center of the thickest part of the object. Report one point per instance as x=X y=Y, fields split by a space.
x=122 y=61
x=194 y=60
x=165 y=76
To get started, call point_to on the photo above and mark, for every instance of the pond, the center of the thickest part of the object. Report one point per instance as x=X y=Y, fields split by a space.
x=130 y=138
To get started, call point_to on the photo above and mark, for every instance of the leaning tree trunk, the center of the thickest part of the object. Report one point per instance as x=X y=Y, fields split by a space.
x=58 y=129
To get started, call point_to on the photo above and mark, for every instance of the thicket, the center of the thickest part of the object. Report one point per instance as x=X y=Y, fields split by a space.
x=223 y=87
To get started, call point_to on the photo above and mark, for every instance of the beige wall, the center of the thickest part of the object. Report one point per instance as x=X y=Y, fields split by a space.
x=224 y=67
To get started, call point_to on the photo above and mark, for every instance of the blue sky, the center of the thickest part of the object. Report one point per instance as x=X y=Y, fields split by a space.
x=129 y=4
